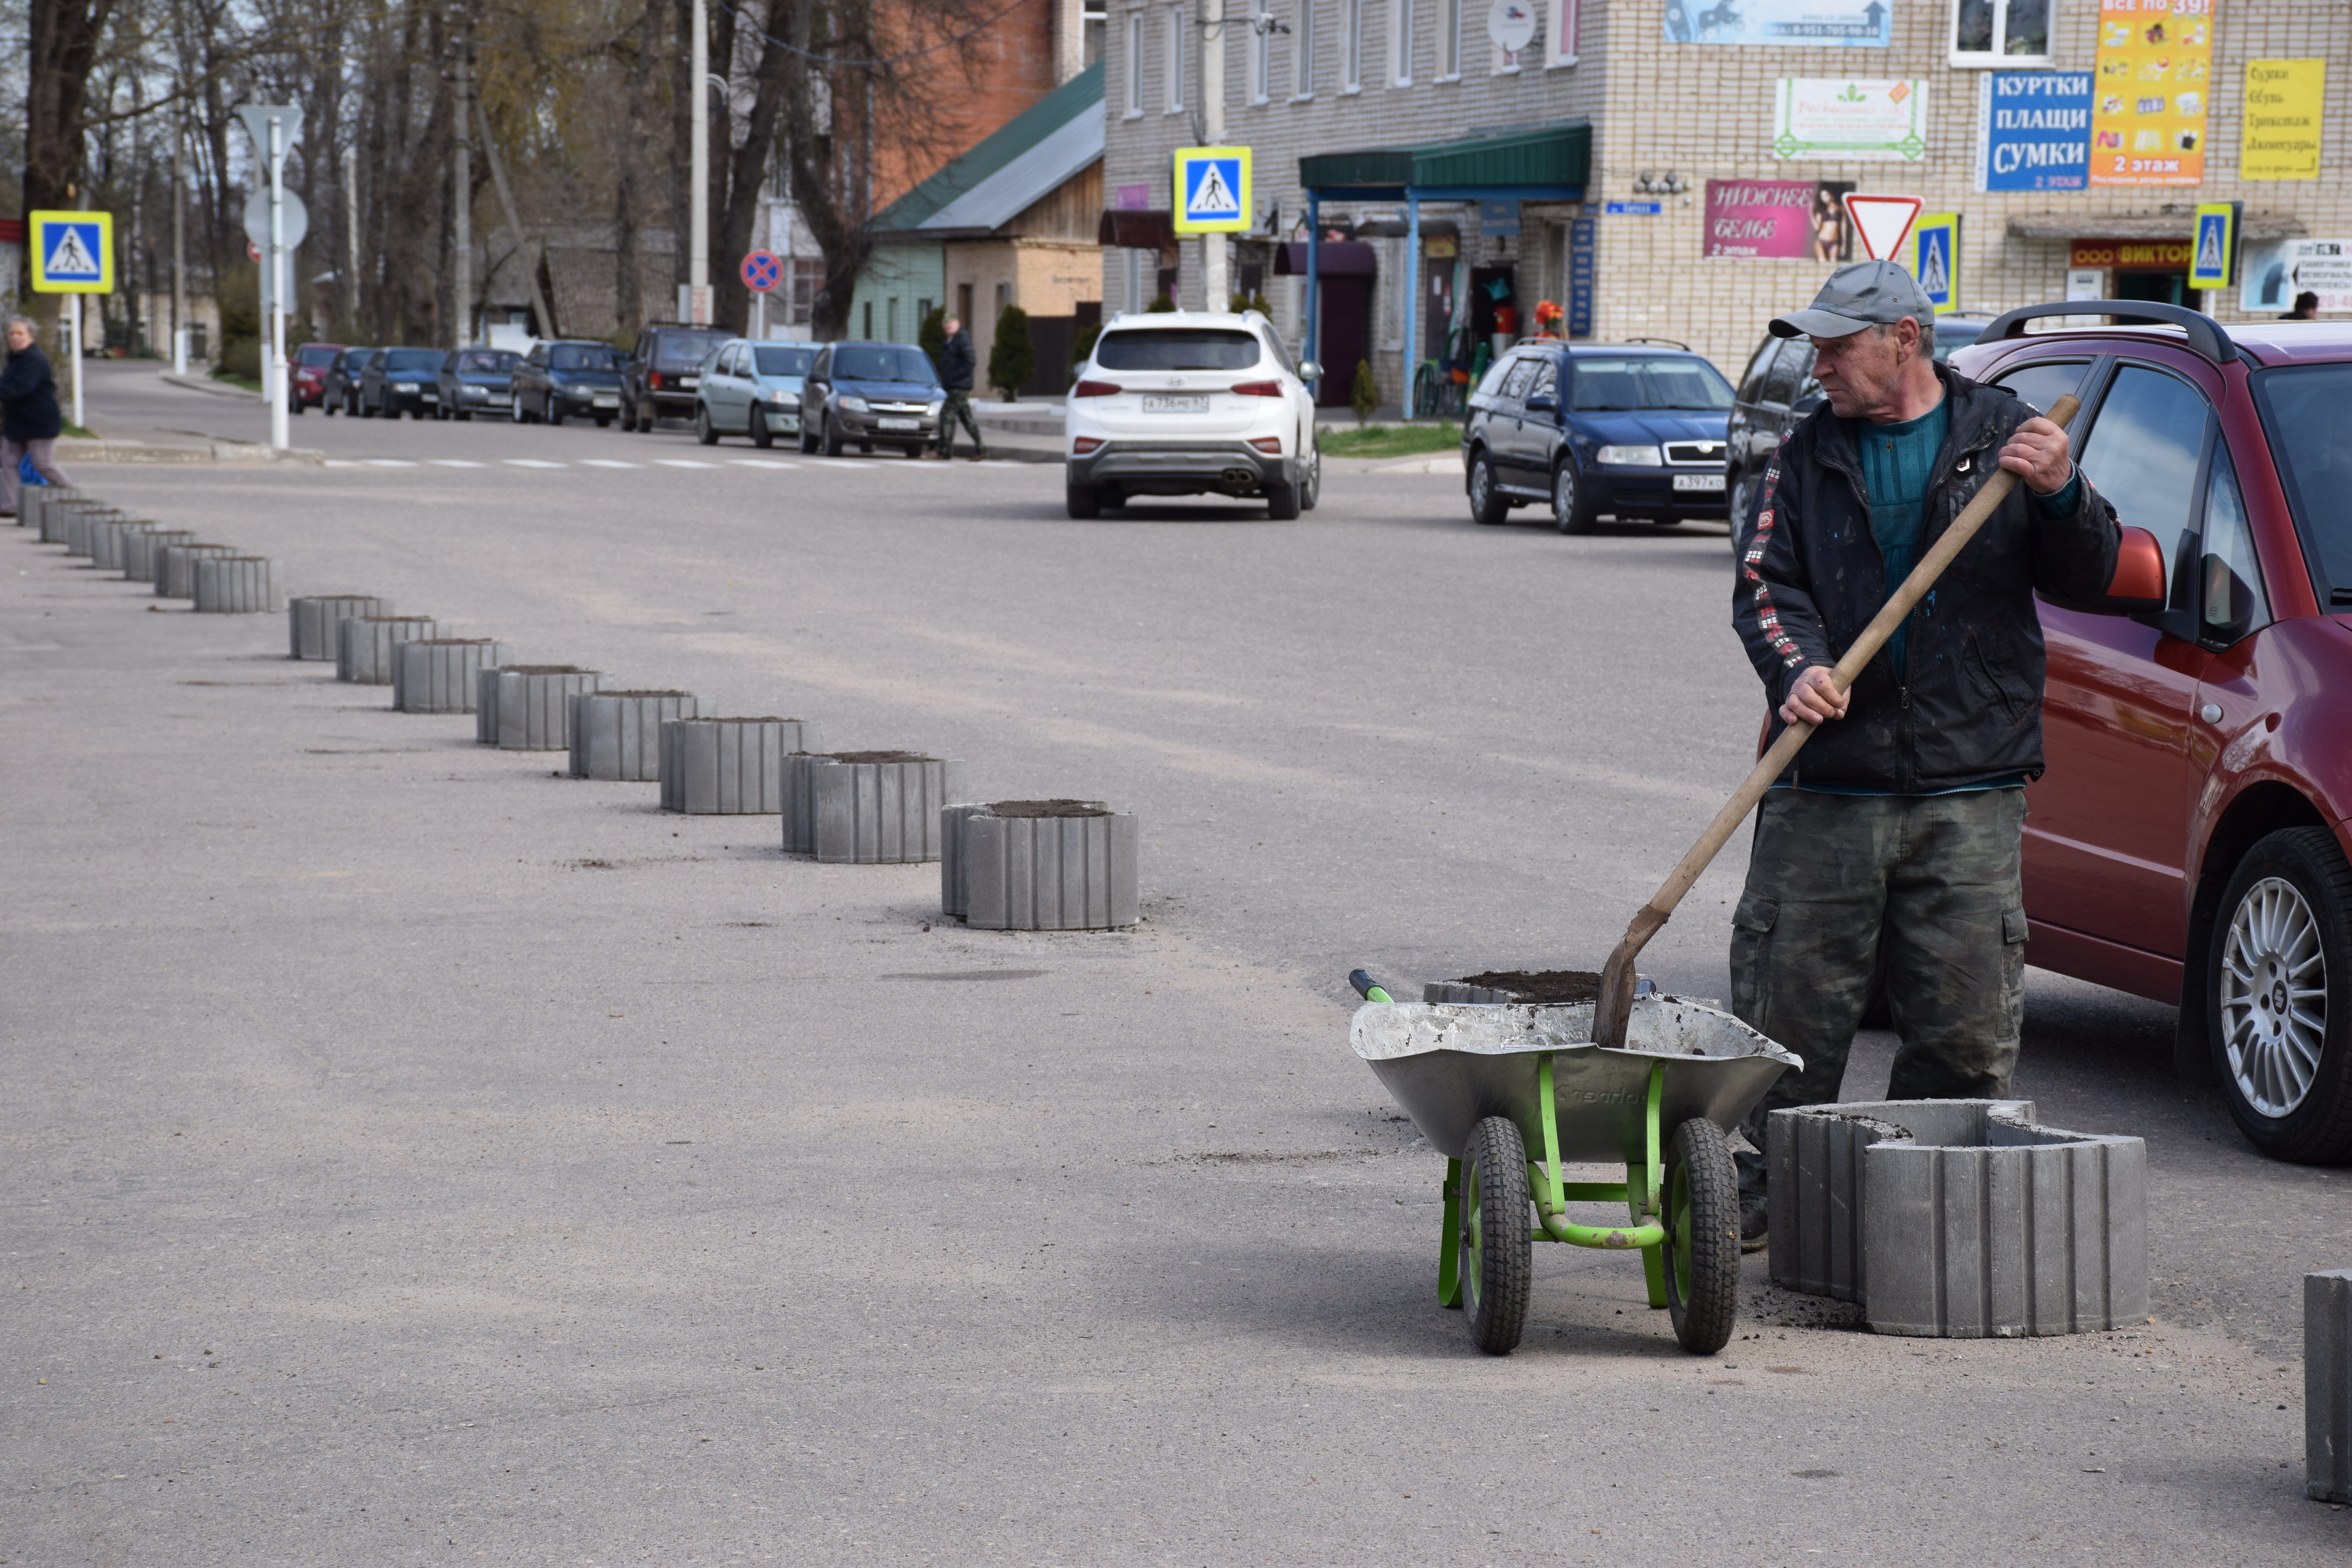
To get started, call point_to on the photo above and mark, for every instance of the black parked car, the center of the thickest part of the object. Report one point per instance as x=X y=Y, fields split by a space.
x=577 y=377
x=1779 y=389
x=659 y=380
x=1634 y=431
x=343 y=381
x=477 y=380
x=872 y=393
x=402 y=381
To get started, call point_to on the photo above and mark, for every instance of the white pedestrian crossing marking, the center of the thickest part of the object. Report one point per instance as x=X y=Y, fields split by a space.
x=388 y=462
x=760 y=463
x=454 y=462
x=683 y=463
x=339 y=462
x=608 y=463
x=530 y=463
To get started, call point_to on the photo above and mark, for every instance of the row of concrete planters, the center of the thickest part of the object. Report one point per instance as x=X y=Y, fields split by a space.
x=364 y=645
x=34 y=500
x=528 y=707
x=142 y=554
x=730 y=767
x=441 y=675
x=109 y=537
x=867 y=808
x=77 y=517
x=2327 y=1385
x=176 y=578
x=1959 y=1218
x=617 y=735
x=240 y=585
x=310 y=622
x=1038 y=865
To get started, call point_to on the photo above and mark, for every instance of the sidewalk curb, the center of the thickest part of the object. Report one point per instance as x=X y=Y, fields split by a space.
x=206 y=383
x=77 y=449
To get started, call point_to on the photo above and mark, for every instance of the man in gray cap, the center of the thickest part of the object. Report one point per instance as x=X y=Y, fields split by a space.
x=1891 y=845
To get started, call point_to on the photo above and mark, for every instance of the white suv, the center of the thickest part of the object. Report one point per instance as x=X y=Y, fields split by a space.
x=1192 y=403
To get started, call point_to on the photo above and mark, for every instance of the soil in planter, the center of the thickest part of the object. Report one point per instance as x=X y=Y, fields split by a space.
x=877 y=756
x=731 y=719
x=544 y=669
x=1045 y=808
x=1547 y=985
x=636 y=693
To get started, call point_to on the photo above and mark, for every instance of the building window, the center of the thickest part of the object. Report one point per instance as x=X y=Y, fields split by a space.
x=1134 y=64
x=1449 y=41
x=890 y=319
x=808 y=277
x=869 y=321
x=1261 y=50
x=964 y=303
x=1351 y=45
x=2001 y=32
x=1175 y=59
x=1302 y=50
x=1401 y=42
x=1095 y=20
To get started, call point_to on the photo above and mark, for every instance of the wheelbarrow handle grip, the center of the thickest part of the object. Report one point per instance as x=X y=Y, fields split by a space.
x=1365 y=987
x=1617 y=975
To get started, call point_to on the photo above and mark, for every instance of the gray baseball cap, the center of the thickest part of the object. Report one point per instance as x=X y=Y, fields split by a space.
x=1861 y=294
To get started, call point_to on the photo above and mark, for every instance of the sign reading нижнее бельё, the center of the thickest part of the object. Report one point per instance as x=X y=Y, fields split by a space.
x=2034 y=130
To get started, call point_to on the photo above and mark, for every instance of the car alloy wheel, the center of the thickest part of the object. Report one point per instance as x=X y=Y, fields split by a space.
x=1569 y=512
x=1486 y=507
x=2280 y=996
x=1310 y=480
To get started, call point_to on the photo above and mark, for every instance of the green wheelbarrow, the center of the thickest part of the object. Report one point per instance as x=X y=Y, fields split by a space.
x=1485 y=1083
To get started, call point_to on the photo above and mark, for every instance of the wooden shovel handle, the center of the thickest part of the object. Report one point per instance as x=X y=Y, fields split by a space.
x=1616 y=1002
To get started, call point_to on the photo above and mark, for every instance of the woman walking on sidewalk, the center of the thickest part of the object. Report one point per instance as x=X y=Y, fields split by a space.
x=29 y=420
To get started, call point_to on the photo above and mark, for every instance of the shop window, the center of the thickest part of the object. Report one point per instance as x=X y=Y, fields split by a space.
x=2002 y=32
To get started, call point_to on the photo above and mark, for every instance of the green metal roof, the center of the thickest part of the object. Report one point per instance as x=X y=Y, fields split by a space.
x=1557 y=154
x=1077 y=98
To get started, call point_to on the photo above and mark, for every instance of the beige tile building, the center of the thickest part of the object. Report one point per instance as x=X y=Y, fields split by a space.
x=1312 y=77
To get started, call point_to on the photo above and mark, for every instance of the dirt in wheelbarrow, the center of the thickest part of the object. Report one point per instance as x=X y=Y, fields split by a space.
x=1541 y=985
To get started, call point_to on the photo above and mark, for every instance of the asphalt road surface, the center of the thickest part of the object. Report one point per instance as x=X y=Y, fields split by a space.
x=414 y=1156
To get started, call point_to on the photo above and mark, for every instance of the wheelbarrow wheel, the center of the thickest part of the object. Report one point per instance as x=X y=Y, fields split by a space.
x=1701 y=1200
x=1496 y=1261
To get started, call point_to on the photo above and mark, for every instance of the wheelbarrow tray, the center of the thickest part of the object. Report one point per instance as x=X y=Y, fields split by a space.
x=1450 y=1064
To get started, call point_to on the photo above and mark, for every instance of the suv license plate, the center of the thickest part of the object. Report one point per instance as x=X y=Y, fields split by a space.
x=1698 y=482
x=1171 y=404
x=899 y=424
x=611 y=402
x=500 y=398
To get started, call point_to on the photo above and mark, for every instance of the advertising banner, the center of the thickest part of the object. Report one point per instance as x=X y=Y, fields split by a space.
x=2034 y=130
x=1845 y=119
x=2276 y=272
x=2131 y=254
x=1812 y=23
x=2154 y=91
x=2280 y=134
x=1784 y=219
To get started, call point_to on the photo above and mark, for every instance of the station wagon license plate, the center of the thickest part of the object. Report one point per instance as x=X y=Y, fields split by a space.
x=1176 y=404
x=888 y=423
x=499 y=400
x=612 y=401
x=1705 y=482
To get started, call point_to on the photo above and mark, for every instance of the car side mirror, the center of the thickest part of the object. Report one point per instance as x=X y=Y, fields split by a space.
x=1311 y=370
x=1807 y=403
x=1542 y=403
x=2137 y=587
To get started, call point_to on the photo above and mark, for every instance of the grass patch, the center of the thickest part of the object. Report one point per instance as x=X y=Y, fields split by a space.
x=234 y=379
x=1392 y=440
x=67 y=427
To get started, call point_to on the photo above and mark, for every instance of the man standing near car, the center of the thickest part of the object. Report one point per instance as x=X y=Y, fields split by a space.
x=1899 y=824
x=957 y=362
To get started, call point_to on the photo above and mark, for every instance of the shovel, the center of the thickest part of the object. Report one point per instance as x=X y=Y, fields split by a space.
x=1616 y=1002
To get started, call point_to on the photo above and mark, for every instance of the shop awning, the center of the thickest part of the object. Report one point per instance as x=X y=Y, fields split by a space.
x=1333 y=259
x=2179 y=226
x=1136 y=230
x=1547 y=161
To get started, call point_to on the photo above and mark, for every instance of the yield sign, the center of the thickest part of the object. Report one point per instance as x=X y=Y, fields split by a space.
x=1883 y=222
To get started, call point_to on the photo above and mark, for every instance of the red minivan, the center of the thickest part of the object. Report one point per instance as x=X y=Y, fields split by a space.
x=2189 y=842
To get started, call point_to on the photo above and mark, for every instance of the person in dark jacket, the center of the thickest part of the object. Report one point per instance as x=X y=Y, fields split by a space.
x=29 y=420
x=1899 y=824
x=956 y=365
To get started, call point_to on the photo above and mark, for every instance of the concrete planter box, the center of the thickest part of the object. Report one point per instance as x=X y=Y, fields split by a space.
x=530 y=705
x=142 y=554
x=310 y=622
x=2327 y=1385
x=1959 y=1218
x=57 y=514
x=176 y=577
x=364 y=644
x=77 y=517
x=33 y=499
x=109 y=537
x=1038 y=865
x=730 y=767
x=440 y=675
x=867 y=808
x=617 y=734
x=240 y=585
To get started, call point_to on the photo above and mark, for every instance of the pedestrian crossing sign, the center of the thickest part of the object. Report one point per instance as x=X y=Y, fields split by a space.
x=1936 y=259
x=2214 y=253
x=1212 y=190
x=72 y=253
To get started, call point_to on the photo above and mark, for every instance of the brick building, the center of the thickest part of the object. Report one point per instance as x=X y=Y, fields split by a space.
x=1669 y=115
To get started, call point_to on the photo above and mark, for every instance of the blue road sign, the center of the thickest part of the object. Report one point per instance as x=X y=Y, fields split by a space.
x=762 y=271
x=72 y=253
x=1212 y=190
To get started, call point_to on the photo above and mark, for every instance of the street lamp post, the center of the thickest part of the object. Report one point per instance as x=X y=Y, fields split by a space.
x=1217 y=296
x=694 y=308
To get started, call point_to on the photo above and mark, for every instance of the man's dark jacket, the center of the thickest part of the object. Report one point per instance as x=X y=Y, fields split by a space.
x=956 y=361
x=1811 y=578
x=29 y=398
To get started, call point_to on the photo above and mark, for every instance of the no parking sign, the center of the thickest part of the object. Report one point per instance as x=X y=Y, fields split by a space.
x=762 y=270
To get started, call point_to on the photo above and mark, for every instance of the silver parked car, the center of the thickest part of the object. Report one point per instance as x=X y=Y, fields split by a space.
x=751 y=388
